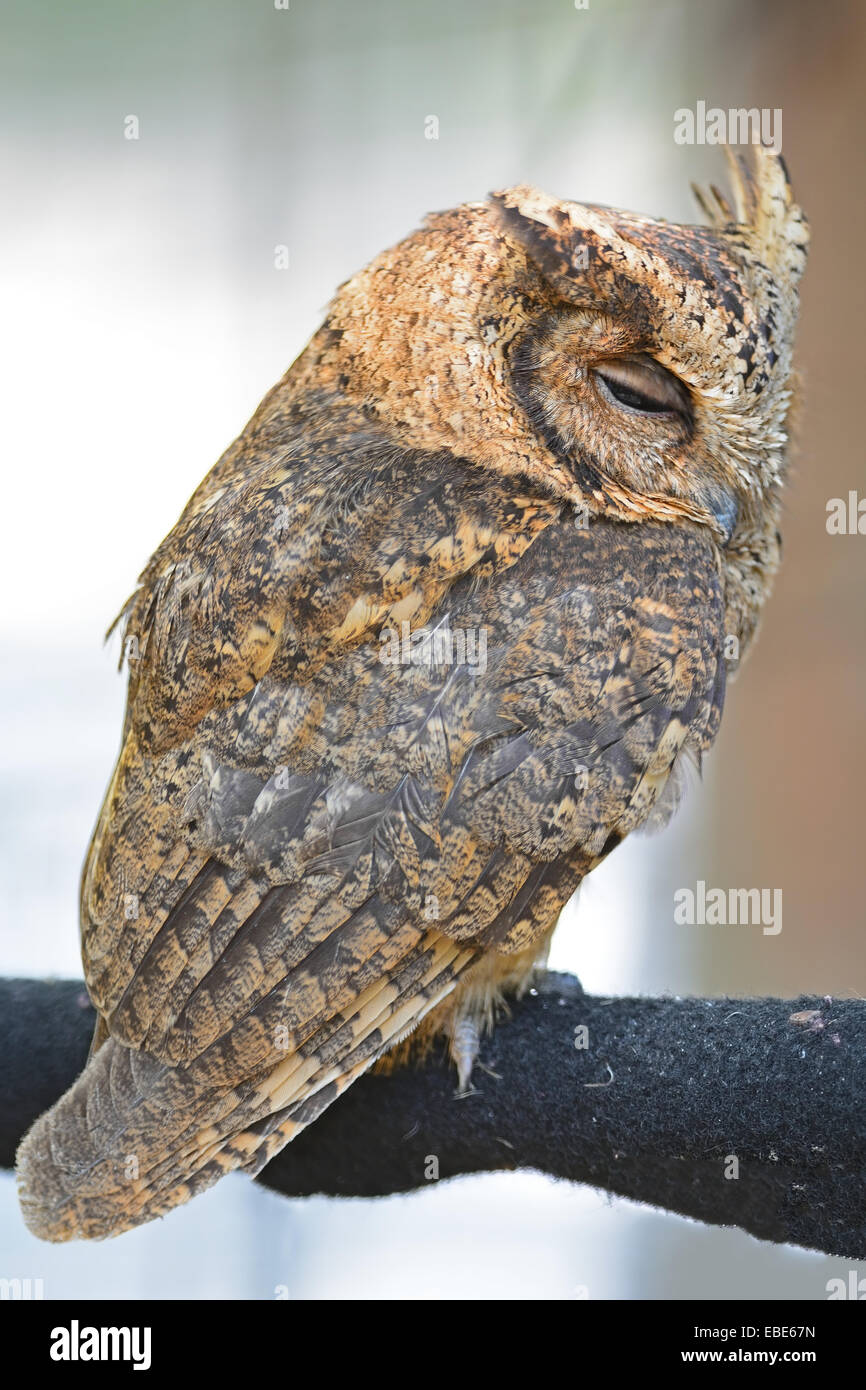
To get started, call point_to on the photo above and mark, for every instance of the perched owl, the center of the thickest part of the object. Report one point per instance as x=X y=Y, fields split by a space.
x=442 y=626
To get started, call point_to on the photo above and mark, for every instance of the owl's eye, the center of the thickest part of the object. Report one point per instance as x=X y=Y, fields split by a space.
x=642 y=385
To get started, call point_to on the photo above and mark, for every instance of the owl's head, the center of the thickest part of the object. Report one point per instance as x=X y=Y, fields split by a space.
x=636 y=367
x=661 y=370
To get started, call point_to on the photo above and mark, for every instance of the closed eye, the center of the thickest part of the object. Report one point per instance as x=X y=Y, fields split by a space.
x=641 y=385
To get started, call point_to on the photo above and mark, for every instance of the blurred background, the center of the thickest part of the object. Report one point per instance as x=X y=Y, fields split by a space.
x=143 y=319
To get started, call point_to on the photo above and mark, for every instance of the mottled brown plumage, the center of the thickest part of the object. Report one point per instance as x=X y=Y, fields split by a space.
x=553 y=431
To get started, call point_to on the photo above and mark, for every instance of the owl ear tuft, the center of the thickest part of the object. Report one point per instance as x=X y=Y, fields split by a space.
x=541 y=225
x=576 y=247
x=763 y=204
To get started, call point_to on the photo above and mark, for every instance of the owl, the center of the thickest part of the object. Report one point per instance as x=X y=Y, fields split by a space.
x=446 y=622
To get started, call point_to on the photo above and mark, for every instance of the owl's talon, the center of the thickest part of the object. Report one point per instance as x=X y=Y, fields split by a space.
x=464 y=1092
x=497 y=1076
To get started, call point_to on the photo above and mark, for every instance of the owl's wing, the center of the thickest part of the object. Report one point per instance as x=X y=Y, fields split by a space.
x=311 y=833
x=255 y=665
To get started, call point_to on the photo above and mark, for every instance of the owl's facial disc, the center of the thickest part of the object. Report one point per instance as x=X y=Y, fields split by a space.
x=641 y=386
x=628 y=426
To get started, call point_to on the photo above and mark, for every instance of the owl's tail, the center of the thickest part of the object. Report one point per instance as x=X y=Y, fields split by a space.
x=133 y=1138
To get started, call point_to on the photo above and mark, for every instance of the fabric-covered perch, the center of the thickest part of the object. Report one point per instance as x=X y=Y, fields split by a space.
x=661 y=1100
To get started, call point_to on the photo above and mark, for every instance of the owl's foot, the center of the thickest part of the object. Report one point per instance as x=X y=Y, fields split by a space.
x=467 y=1014
x=463 y=1044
